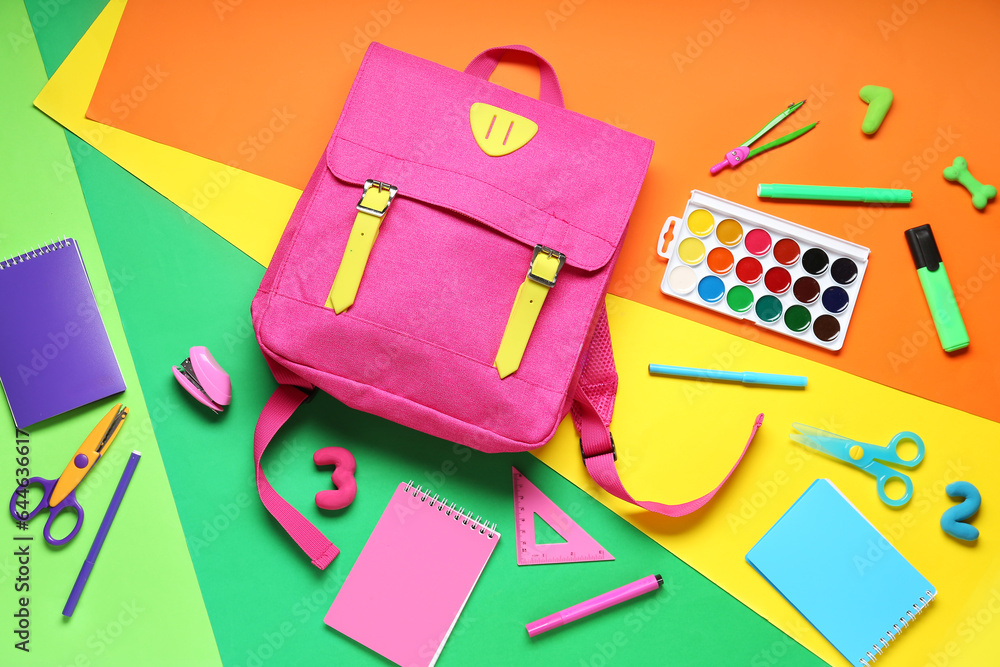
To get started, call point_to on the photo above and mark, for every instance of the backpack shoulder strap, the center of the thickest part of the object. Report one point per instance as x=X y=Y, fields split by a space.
x=593 y=406
x=283 y=402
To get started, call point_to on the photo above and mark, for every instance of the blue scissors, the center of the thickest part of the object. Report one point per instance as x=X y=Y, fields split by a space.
x=866 y=456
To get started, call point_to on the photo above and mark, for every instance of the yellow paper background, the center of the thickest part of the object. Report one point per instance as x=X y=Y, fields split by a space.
x=677 y=438
x=247 y=210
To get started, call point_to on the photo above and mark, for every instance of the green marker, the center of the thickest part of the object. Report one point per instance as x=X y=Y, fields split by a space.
x=940 y=298
x=834 y=193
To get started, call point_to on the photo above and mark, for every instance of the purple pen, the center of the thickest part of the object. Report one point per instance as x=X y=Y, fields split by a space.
x=102 y=533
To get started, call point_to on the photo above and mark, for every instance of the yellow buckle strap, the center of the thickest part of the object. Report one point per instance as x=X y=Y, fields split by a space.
x=545 y=266
x=375 y=200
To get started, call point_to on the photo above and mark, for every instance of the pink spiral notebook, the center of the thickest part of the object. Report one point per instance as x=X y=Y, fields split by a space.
x=416 y=572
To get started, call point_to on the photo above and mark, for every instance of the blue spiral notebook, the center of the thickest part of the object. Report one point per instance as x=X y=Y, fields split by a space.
x=839 y=572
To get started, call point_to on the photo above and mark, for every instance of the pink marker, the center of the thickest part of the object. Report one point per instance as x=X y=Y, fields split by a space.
x=609 y=599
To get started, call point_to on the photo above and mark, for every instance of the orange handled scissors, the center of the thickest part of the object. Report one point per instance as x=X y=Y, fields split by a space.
x=60 y=494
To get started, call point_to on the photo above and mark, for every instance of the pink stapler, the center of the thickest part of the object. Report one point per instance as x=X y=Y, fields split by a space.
x=202 y=376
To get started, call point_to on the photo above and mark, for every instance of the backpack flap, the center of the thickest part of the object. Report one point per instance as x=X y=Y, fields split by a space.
x=444 y=265
x=445 y=214
x=570 y=186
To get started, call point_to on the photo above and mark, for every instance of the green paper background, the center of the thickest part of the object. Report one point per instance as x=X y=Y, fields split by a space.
x=143 y=594
x=265 y=601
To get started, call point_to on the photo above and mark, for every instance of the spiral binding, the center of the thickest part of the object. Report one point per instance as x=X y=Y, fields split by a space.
x=891 y=635
x=442 y=505
x=35 y=251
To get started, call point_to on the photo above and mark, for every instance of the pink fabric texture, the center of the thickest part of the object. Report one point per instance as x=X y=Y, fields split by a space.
x=482 y=66
x=279 y=408
x=417 y=346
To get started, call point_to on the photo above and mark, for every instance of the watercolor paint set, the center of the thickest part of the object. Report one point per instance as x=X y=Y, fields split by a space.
x=757 y=267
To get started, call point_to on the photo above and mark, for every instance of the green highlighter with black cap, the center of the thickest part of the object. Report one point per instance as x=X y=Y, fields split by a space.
x=940 y=297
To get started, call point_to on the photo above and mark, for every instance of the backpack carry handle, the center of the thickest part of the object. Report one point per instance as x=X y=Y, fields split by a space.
x=482 y=66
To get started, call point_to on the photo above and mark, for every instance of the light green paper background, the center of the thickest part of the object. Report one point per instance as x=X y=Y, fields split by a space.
x=265 y=600
x=142 y=597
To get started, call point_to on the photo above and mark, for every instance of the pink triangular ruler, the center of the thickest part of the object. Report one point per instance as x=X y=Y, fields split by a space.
x=579 y=546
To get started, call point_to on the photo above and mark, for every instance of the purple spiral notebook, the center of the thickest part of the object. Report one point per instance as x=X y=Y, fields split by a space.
x=55 y=354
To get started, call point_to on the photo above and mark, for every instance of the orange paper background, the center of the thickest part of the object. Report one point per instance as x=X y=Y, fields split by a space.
x=696 y=78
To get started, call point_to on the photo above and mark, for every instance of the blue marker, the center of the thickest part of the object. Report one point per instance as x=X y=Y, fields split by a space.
x=746 y=378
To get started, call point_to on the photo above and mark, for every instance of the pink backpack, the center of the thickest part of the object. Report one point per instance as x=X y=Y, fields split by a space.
x=482 y=246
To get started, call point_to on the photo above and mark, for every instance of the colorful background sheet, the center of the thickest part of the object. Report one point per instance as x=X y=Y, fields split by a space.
x=264 y=109
x=261 y=594
x=678 y=446
x=265 y=602
x=692 y=63
x=142 y=598
x=247 y=209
